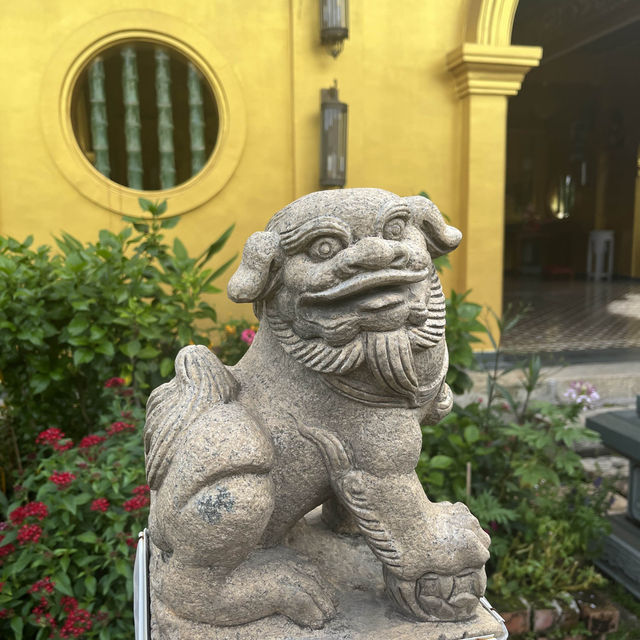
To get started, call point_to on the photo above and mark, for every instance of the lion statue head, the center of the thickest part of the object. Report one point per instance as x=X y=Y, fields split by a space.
x=346 y=281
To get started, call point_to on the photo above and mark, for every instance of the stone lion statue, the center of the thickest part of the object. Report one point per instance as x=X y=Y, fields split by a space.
x=325 y=407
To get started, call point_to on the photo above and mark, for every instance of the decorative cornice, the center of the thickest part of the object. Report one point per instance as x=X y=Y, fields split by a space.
x=480 y=69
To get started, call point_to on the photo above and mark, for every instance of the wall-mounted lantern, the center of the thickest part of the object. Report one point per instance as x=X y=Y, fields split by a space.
x=333 y=141
x=334 y=24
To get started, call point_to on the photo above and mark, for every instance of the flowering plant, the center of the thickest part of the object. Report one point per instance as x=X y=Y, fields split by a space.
x=68 y=536
x=511 y=460
x=583 y=394
x=120 y=306
x=235 y=338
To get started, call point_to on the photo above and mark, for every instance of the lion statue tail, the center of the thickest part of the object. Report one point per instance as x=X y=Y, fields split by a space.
x=201 y=380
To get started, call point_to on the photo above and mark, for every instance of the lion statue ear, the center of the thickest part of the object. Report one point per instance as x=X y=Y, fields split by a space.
x=441 y=237
x=252 y=279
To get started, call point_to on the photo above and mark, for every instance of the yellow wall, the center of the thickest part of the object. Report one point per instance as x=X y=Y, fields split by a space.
x=410 y=128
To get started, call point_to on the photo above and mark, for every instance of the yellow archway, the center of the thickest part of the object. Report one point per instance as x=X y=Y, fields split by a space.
x=486 y=69
x=490 y=22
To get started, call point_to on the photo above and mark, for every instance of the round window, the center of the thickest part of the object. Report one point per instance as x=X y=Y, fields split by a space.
x=144 y=116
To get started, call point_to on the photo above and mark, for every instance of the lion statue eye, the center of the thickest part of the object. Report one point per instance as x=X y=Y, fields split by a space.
x=394 y=229
x=324 y=248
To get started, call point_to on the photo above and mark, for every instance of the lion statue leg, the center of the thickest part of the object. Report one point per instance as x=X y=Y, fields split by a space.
x=433 y=554
x=209 y=465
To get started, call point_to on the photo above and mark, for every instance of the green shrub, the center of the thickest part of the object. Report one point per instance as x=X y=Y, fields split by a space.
x=67 y=543
x=462 y=328
x=511 y=461
x=70 y=319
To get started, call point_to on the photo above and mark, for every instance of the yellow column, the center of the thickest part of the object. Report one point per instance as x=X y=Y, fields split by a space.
x=485 y=75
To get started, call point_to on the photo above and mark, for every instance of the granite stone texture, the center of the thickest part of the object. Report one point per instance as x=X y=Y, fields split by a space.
x=325 y=407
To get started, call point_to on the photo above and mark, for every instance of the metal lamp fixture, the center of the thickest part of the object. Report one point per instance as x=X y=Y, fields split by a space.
x=333 y=142
x=334 y=21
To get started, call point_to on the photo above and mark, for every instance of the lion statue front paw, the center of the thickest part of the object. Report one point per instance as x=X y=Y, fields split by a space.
x=436 y=597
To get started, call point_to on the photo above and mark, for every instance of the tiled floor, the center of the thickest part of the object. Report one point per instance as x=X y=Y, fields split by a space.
x=575 y=316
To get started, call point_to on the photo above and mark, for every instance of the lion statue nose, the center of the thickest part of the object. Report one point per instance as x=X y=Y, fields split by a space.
x=375 y=253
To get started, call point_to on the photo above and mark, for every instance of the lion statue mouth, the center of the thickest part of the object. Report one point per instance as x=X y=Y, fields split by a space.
x=365 y=282
x=385 y=359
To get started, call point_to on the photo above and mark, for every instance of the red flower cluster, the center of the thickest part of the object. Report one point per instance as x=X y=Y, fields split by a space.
x=52 y=436
x=29 y=533
x=42 y=585
x=62 y=478
x=138 y=502
x=40 y=611
x=5 y=613
x=7 y=549
x=117 y=427
x=114 y=383
x=36 y=509
x=141 y=490
x=132 y=542
x=78 y=620
x=90 y=441
x=100 y=504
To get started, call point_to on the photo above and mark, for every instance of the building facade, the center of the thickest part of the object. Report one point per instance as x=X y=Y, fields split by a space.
x=215 y=107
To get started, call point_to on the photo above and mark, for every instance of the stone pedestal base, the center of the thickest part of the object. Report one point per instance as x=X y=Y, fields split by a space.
x=364 y=611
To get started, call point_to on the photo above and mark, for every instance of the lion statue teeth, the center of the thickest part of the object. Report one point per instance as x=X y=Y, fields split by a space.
x=326 y=405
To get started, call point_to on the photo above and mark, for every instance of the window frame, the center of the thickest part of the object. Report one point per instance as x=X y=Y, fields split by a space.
x=115 y=29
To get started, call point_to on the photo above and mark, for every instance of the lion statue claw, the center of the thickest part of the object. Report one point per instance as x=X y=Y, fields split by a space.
x=326 y=405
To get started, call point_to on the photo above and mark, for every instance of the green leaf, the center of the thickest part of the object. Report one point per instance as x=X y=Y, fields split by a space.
x=216 y=246
x=131 y=348
x=145 y=205
x=63 y=583
x=166 y=367
x=17 y=625
x=78 y=325
x=39 y=382
x=169 y=223
x=69 y=504
x=221 y=270
x=82 y=356
x=90 y=584
x=106 y=349
x=180 y=250
x=440 y=462
x=88 y=536
x=141 y=227
x=161 y=207
x=471 y=433
x=148 y=351
x=123 y=568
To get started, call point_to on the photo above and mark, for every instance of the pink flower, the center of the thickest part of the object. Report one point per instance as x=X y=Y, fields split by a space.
x=42 y=585
x=29 y=533
x=247 y=336
x=36 y=509
x=90 y=441
x=62 y=478
x=114 y=383
x=100 y=504
x=78 y=620
x=118 y=427
x=69 y=604
x=135 y=503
